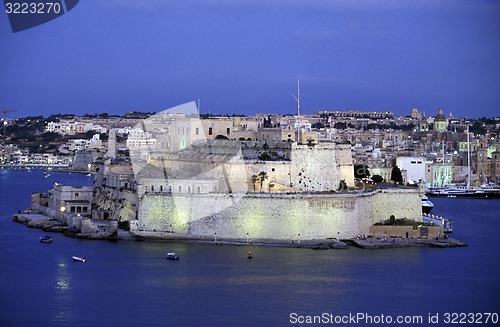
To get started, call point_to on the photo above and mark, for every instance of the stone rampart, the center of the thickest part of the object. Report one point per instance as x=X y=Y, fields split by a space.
x=299 y=216
x=320 y=168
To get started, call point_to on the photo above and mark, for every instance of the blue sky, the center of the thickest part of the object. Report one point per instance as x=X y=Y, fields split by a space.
x=245 y=57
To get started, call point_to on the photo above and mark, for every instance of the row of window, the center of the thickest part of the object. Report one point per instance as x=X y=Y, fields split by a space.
x=78 y=209
x=170 y=189
x=197 y=131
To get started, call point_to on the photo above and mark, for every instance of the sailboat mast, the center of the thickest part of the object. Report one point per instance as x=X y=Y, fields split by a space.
x=468 y=158
x=442 y=170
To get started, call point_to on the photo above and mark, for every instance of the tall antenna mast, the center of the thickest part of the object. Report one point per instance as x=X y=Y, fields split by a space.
x=4 y=121
x=297 y=98
x=298 y=123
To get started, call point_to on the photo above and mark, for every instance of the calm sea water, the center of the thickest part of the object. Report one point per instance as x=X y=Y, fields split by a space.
x=129 y=283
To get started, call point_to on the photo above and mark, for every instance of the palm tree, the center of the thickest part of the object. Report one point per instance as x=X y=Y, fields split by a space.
x=262 y=178
x=254 y=180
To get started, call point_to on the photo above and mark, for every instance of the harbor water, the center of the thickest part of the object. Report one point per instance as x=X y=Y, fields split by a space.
x=130 y=283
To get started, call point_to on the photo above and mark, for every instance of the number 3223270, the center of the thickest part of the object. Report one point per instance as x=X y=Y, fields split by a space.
x=32 y=8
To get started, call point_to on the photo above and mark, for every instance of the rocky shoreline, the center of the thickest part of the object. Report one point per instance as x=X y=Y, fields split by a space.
x=49 y=224
x=34 y=219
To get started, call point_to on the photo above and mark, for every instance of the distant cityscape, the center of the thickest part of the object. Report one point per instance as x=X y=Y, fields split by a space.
x=431 y=149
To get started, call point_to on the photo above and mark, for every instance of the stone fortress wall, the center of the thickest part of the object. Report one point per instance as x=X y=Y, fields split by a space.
x=306 y=168
x=196 y=186
x=320 y=168
x=299 y=216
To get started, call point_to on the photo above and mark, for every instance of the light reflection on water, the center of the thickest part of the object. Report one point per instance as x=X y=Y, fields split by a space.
x=62 y=277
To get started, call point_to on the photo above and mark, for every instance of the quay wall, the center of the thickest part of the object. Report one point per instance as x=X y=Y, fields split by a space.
x=299 y=216
x=407 y=232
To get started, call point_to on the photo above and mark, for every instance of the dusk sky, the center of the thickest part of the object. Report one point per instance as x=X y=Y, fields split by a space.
x=245 y=57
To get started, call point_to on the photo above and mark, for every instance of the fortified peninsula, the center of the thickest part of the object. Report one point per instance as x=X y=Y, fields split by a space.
x=182 y=177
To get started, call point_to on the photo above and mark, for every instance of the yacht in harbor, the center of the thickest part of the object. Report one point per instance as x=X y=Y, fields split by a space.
x=490 y=191
x=483 y=192
x=427 y=205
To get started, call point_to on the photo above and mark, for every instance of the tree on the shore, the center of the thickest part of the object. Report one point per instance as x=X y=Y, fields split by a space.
x=396 y=175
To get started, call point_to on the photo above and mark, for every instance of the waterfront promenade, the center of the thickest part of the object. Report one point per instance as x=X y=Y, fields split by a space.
x=35 y=219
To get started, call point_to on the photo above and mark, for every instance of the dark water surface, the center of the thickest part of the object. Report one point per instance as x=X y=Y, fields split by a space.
x=129 y=283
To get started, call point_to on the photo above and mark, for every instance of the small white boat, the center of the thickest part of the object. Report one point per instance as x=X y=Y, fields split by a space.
x=79 y=259
x=172 y=256
x=46 y=239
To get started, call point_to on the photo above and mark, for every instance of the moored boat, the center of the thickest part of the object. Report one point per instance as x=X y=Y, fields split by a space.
x=427 y=205
x=46 y=239
x=473 y=193
x=172 y=256
x=79 y=259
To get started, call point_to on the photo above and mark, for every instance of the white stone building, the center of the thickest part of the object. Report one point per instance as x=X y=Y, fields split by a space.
x=72 y=127
x=139 y=140
x=414 y=166
x=71 y=199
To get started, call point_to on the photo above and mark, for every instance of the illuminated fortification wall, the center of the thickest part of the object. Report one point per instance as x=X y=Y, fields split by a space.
x=273 y=216
x=307 y=168
x=320 y=168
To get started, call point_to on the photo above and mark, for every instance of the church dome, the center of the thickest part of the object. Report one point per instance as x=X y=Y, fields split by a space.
x=440 y=116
